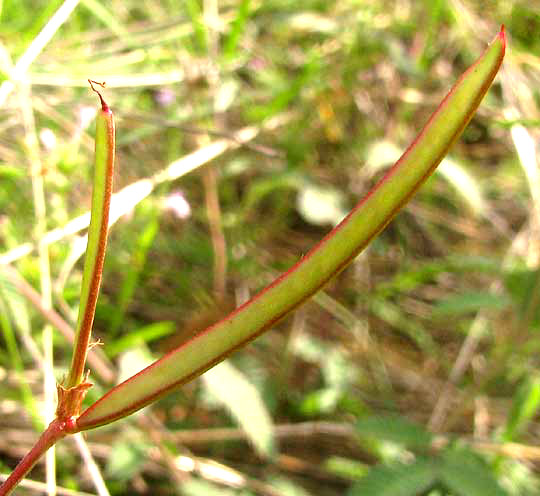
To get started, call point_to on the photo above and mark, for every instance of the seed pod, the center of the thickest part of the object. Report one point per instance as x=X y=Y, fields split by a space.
x=97 y=237
x=325 y=260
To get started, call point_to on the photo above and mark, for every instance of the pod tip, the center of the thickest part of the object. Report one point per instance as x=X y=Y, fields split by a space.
x=502 y=35
x=104 y=105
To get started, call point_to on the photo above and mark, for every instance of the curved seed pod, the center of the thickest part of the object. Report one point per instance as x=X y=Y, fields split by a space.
x=324 y=261
x=97 y=237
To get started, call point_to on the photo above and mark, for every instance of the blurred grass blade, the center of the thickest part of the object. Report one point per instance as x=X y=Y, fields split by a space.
x=237 y=28
x=394 y=315
x=129 y=284
x=108 y=19
x=465 y=185
x=524 y=408
x=199 y=28
x=468 y=302
x=323 y=262
x=142 y=335
x=12 y=305
x=290 y=89
x=36 y=47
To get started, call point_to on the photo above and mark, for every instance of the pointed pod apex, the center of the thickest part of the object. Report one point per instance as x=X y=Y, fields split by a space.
x=502 y=36
x=104 y=105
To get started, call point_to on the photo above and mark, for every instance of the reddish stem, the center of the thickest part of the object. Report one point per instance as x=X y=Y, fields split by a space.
x=57 y=430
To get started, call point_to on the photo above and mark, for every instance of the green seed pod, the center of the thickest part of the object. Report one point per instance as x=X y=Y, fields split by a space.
x=97 y=237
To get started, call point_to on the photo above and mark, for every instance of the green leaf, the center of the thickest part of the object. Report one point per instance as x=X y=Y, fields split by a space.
x=397 y=480
x=346 y=468
x=138 y=337
x=522 y=283
x=396 y=429
x=323 y=401
x=410 y=277
x=240 y=397
x=520 y=477
x=471 y=301
x=10 y=172
x=524 y=407
x=466 y=474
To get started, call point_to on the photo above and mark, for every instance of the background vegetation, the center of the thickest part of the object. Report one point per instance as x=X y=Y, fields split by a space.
x=415 y=372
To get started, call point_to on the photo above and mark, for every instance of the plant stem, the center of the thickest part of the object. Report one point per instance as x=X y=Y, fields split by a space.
x=57 y=430
x=38 y=192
